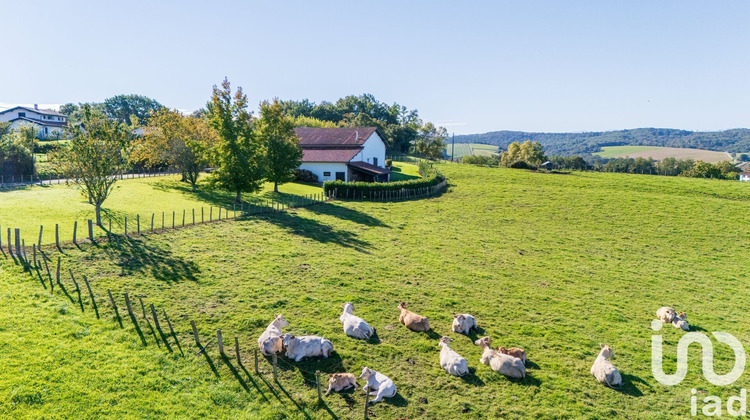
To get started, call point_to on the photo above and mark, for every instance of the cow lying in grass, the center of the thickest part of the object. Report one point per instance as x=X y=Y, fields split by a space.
x=270 y=341
x=378 y=385
x=298 y=348
x=507 y=365
x=413 y=321
x=341 y=381
x=355 y=326
x=451 y=361
x=463 y=324
x=603 y=370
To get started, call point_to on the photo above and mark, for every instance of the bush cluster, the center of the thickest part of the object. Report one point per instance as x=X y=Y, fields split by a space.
x=365 y=190
x=303 y=175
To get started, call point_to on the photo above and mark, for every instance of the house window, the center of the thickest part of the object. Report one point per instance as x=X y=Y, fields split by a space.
x=21 y=114
x=375 y=161
x=326 y=174
x=340 y=176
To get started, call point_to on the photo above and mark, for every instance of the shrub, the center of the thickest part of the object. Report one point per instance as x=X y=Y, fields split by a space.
x=388 y=163
x=365 y=190
x=303 y=175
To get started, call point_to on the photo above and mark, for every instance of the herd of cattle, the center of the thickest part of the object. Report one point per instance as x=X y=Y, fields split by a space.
x=510 y=362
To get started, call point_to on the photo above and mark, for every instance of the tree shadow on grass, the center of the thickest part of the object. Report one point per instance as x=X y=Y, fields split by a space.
x=317 y=231
x=135 y=256
x=212 y=197
x=345 y=213
x=397 y=175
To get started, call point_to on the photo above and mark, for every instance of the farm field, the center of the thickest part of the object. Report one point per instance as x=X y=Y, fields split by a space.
x=659 y=153
x=463 y=149
x=28 y=208
x=556 y=264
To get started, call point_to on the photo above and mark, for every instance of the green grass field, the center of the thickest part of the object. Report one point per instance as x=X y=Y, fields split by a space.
x=552 y=263
x=30 y=207
x=463 y=149
x=659 y=153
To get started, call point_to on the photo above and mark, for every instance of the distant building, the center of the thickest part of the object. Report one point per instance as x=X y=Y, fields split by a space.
x=745 y=176
x=47 y=121
x=346 y=154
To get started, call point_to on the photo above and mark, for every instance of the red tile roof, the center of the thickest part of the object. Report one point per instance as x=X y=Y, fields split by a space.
x=339 y=136
x=368 y=167
x=329 y=154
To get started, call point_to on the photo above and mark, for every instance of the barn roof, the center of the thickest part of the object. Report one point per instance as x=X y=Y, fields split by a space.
x=329 y=154
x=338 y=136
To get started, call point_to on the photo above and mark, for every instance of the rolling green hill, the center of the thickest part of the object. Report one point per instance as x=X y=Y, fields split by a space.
x=566 y=144
x=553 y=263
x=659 y=153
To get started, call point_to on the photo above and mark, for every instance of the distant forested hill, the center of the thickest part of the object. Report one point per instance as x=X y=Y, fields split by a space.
x=566 y=144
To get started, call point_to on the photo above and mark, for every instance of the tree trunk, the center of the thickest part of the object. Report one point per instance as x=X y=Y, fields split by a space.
x=275 y=187
x=238 y=199
x=98 y=208
x=193 y=186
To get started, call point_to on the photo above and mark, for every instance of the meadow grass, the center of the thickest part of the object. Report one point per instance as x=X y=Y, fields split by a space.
x=33 y=206
x=659 y=153
x=553 y=263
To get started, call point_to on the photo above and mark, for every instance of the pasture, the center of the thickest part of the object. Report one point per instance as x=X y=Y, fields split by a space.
x=463 y=149
x=556 y=264
x=659 y=153
x=29 y=207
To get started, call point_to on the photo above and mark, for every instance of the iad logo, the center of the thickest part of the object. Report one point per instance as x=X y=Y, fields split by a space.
x=708 y=357
x=713 y=404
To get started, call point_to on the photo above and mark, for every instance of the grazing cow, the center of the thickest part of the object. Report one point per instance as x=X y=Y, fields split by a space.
x=378 y=385
x=507 y=365
x=341 y=381
x=463 y=323
x=680 y=321
x=355 y=326
x=451 y=361
x=413 y=321
x=298 y=348
x=270 y=341
x=603 y=370
x=515 y=352
x=666 y=314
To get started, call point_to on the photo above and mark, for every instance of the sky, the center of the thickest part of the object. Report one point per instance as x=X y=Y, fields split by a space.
x=471 y=66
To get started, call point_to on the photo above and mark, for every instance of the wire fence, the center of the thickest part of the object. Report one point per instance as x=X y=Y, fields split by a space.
x=26 y=180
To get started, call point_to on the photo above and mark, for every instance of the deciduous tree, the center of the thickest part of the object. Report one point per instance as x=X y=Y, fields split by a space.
x=239 y=153
x=283 y=153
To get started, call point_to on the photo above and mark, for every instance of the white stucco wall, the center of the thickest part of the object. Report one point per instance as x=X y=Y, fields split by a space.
x=318 y=168
x=745 y=178
x=374 y=147
x=40 y=128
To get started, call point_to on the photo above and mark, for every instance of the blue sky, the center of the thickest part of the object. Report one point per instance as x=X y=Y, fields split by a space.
x=471 y=66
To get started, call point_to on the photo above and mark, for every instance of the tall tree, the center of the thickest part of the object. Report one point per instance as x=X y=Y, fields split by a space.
x=526 y=154
x=431 y=141
x=171 y=139
x=121 y=107
x=283 y=153
x=94 y=156
x=239 y=153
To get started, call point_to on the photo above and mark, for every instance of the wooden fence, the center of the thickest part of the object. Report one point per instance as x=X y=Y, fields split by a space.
x=23 y=180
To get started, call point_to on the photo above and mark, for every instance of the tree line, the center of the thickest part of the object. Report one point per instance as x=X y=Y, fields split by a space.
x=244 y=151
x=531 y=155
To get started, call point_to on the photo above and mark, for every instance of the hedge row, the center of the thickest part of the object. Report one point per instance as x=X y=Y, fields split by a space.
x=364 y=190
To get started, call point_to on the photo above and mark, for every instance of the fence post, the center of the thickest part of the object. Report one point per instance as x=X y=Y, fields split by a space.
x=138 y=223
x=183 y=218
x=162 y=221
x=126 y=225
x=172 y=219
x=193 y=216
x=256 y=361
x=18 y=242
x=273 y=357
x=237 y=350
x=211 y=214
x=152 y=222
x=10 y=242
x=39 y=243
x=202 y=214
x=367 y=399
x=75 y=230
x=91 y=231
x=220 y=342
x=57 y=236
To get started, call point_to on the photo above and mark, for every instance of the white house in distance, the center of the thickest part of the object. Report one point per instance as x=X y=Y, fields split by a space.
x=347 y=154
x=745 y=176
x=47 y=121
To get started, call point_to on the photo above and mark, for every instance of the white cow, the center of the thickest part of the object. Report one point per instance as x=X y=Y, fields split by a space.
x=463 y=323
x=270 y=341
x=378 y=385
x=298 y=348
x=451 y=361
x=505 y=364
x=666 y=314
x=680 y=321
x=603 y=370
x=355 y=326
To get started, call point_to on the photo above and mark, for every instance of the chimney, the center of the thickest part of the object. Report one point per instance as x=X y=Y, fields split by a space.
x=36 y=106
x=356 y=135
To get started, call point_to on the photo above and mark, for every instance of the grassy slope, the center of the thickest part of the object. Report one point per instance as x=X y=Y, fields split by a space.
x=553 y=263
x=659 y=153
x=30 y=207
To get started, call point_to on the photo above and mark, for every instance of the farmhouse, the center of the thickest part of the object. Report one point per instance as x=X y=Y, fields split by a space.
x=47 y=121
x=346 y=154
x=745 y=176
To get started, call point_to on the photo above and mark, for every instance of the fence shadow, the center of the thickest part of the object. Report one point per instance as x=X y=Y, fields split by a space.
x=135 y=256
x=312 y=229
